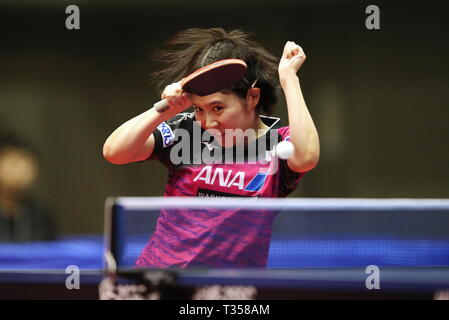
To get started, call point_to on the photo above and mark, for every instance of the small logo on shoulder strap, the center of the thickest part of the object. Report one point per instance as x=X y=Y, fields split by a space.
x=167 y=134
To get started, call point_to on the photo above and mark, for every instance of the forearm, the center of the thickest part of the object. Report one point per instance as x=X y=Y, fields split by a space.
x=303 y=133
x=126 y=141
x=132 y=141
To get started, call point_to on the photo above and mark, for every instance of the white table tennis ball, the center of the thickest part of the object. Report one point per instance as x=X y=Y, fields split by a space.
x=284 y=149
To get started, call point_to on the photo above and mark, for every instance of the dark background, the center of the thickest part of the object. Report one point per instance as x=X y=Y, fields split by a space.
x=379 y=98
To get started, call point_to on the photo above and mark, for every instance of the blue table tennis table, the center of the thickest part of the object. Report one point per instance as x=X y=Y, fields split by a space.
x=320 y=248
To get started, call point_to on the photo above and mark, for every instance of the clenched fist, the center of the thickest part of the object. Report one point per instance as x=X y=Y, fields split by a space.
x=177 y=99
x=292 y=59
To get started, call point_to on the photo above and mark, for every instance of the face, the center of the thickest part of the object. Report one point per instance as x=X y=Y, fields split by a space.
x=18 y=170
x=223 y=110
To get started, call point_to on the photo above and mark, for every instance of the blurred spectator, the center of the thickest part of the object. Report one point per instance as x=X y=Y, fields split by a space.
x=21 y=217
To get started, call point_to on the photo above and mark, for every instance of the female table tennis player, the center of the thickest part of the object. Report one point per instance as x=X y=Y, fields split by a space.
x=229 y=238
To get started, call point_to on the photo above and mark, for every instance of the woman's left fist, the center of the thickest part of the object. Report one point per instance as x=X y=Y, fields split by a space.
x=292 y=59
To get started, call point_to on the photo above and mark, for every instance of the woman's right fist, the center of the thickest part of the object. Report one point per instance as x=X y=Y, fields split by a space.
x=177 y=99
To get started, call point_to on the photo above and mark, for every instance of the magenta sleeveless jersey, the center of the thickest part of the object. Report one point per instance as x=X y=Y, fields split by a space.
x=216 y=238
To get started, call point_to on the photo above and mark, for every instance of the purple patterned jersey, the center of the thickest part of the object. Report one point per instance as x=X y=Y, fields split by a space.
x=216 y=238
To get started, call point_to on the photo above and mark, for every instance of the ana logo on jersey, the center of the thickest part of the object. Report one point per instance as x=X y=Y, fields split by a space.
x=209 y=175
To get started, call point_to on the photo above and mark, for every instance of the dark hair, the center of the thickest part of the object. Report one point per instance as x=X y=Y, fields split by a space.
x=11 y=140
x=194 y=48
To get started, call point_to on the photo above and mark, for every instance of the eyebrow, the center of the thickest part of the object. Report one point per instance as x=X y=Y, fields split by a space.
x=210 y=103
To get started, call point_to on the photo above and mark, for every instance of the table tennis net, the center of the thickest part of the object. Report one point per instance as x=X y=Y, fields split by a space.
x=306 y=232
